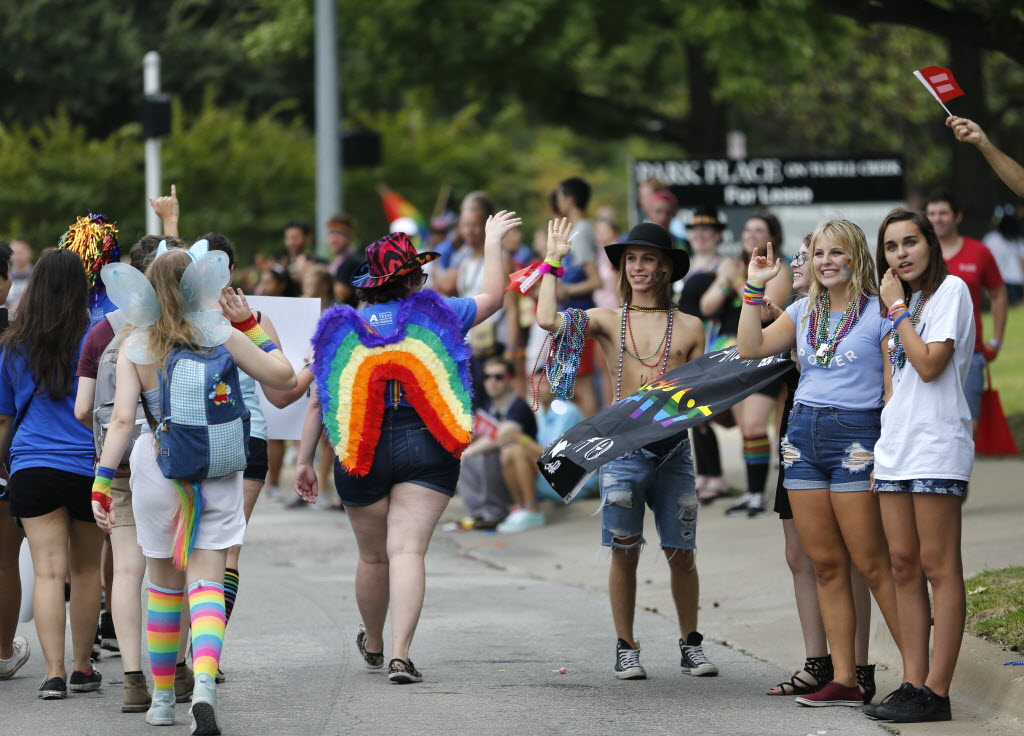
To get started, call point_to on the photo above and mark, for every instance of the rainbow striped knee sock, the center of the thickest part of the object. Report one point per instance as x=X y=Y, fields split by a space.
x=206 y=606
x=756 y=455
x=163 y=625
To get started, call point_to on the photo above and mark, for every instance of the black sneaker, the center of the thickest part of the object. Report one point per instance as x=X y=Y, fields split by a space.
x=85 y=682
x=401 y=672
x=903 y=692
x=373 y=660
x=923 y=707
x=627 y=662
x=53 y=689
x=693 y=660
x=755 y=506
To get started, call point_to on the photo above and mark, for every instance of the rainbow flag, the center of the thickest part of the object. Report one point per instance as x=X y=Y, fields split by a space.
x=397 y=207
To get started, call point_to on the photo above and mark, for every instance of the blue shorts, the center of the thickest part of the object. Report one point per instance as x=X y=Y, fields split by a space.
x=938 y=486
x=406 y=453
x=975 y=384
x=830 y=448
x=663 y=480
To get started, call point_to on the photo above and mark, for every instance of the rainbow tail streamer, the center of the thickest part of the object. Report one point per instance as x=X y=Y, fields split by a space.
x=186 y=521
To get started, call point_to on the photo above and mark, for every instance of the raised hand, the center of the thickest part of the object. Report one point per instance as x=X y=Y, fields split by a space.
x=234 y=306
x=763 y=269
x=558 y=238
x=499 y=225
x=891 y=288
x=166 y=207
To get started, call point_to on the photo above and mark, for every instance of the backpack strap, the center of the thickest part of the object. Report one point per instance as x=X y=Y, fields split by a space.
x=117 y=320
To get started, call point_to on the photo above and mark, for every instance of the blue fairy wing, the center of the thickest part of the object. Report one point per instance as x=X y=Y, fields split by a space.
x=209 y=327
x=136 y=347
x=203 y=280
x=132 y=293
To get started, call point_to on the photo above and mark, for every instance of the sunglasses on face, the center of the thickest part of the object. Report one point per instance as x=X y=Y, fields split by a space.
x=798 y=260
x=495 y=376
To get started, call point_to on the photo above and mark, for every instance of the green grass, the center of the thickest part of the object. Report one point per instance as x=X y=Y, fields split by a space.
x=1008 y=369
x=995 y=606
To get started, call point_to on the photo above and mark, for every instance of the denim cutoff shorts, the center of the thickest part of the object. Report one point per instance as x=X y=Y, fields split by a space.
x=826 y=447
x=659 y=476
x=936 y=486
x=406 y=453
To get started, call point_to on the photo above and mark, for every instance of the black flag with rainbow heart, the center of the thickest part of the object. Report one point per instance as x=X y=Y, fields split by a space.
x=684 y=397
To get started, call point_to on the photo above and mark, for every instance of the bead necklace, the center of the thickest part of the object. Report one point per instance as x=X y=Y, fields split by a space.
x=657 y=350
x=561 y=353
x=897 y=356
x=649 y=309
x=823 y=345
x=666 y=341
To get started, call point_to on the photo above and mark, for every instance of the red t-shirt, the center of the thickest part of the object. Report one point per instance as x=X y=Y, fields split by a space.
x=92 y=349
x=976 y=266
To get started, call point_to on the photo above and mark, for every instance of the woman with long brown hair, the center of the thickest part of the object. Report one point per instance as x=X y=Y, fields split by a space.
x=51 y=463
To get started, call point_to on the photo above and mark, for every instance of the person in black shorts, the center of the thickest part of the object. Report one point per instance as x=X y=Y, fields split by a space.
x=52 y=463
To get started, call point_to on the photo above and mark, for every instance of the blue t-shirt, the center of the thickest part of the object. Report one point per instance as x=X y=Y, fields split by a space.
x=48 y=436
x=100 y=309
x=383 y=319
x=853 y=379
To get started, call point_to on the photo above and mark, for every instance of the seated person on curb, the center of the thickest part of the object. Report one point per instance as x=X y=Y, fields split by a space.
x=482 y=484
x=659 y=475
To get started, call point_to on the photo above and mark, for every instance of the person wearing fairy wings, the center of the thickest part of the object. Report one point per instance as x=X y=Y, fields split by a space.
x=828 y=451
x=393 y=391
x=641 y=340
x=184 y=525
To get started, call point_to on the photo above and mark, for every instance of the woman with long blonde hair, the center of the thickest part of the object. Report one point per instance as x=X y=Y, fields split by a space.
x=828 y=451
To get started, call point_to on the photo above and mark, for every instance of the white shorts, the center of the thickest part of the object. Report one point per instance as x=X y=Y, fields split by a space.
x=155 y=502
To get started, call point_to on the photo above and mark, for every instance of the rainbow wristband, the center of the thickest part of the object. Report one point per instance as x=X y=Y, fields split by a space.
x=899 y=319
x=753 y=295
x=101 y=487
x=251 y=329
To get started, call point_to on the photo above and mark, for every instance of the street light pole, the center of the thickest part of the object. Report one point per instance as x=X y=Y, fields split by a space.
x=328 y=96
x=151 y=86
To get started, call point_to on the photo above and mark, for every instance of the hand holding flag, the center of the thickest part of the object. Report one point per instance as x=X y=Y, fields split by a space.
x=940 y=83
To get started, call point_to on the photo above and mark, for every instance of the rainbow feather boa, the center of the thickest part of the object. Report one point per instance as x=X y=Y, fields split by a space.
x=427 y=354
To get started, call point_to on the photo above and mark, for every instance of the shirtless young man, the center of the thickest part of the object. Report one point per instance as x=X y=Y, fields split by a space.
x=642 y=340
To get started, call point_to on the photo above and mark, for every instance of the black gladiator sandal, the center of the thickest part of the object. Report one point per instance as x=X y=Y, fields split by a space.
x=820 y=668
x=866 y=680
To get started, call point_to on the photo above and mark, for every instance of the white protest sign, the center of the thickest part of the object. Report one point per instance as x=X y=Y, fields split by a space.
x=295 y=320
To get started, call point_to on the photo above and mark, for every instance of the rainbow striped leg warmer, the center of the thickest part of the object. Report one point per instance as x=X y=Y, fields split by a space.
x=163 y=625
x=206 y=606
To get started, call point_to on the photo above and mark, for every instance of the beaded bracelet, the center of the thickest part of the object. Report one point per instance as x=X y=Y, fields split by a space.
x=896 y=322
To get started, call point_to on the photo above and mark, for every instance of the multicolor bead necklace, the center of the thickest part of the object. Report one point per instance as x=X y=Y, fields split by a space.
x=897 y=356
x=666 y=340
x=823 y=345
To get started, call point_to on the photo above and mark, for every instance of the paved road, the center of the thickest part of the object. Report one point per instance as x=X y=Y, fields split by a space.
x=489 y=645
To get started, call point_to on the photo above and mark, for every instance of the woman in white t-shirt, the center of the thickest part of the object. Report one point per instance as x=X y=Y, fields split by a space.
x=828 y=450
x=924 y=456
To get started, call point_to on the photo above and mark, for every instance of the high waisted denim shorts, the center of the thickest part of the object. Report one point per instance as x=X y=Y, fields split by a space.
x=830 y=448
x=406 y=453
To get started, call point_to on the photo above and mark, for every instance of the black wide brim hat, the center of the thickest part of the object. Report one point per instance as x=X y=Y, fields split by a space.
x=651 y=236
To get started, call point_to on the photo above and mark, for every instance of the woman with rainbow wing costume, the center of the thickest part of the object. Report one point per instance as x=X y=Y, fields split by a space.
x=394 y=393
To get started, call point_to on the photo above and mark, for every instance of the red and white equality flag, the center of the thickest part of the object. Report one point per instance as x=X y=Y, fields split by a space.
x=940 y=83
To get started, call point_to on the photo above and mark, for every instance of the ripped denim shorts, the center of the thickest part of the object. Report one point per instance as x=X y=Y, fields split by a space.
x=655 y=476
x=826 y=447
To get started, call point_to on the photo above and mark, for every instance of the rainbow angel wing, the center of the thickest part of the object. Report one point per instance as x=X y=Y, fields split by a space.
x=428 y=355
